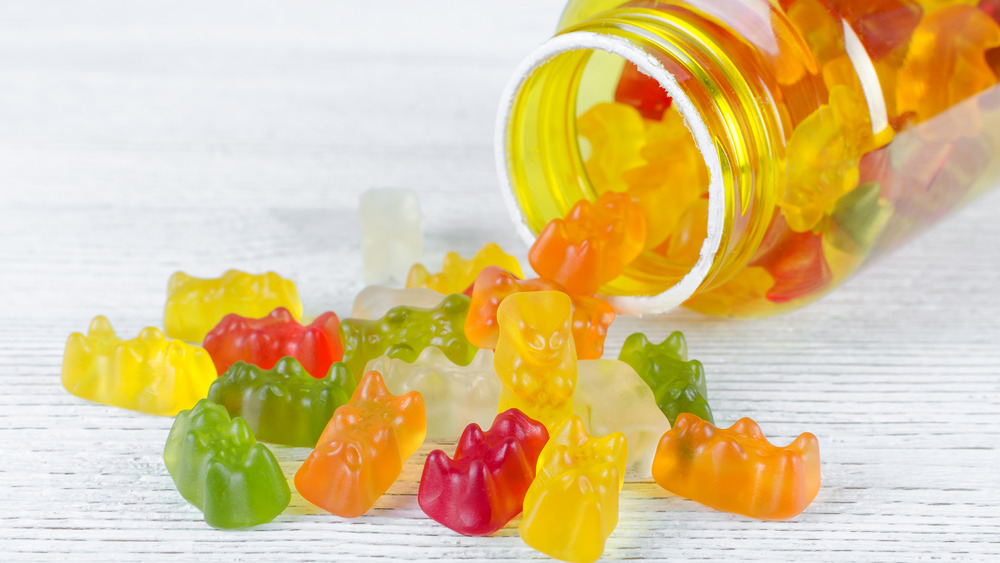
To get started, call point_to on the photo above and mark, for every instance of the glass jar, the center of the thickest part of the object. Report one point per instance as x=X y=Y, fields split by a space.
x=775 y=147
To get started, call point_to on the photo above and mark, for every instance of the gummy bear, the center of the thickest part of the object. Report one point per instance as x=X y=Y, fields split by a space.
x=616 y=133
x=610 y=396
x=737 y=296
x=946 y=62
x=483 y=487
x=535 y=358
x=592 y=244
x=375 y=301
x=283 y=405
x=684 y=244
x=195 y=306
x=457 y=274
x=637 y=349
x=642 y=92
x=822 y=159
x=404 y=331
x=148 y=374
x=737 y=469
x=797 y=264
x=392 y=233
x=881 y=25
x=362 y=450
x=571 y=507
x=591 y=316
x=859 y=218
x=453 y=395
x=678 y=385
x=219 y=467
x=673 y=178
x=263 y=342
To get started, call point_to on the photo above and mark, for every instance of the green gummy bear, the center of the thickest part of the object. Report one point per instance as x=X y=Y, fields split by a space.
x=219 y=467
x=678 y=385
x=283 y=405
x=637 y=348
x=405 y=331
x=860 y=215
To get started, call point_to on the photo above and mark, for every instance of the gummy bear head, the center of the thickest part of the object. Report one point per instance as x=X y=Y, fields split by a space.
x=538 y=326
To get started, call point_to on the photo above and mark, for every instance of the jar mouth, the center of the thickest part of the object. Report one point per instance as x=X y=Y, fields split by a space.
x=561 y=45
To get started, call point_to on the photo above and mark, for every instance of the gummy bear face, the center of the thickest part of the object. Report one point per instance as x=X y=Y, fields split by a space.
x=539 y=326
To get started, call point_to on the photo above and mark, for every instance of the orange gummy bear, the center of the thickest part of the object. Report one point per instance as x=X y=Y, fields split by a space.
x=736 y=469
x=592 y=244
x=946 y=63
x=362 y=450
x=591 y=316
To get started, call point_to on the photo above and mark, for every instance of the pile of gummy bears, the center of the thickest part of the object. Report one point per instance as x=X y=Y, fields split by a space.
x=473 y=346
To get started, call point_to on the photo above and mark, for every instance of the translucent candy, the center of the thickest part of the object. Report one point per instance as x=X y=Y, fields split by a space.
x=374 y=301
x=948 y=50
x=736 y=296
x=611 y=397
x=572 y=505
x=674 y=176
x=148 y=374
x=642 y=92
x=684 y=245
x=454 y=395
x=616 y=134
x=823 y=156
x=535 y=358
x=392 y=233
x=881 y=25
x=736 y=469
x=457 y=273
x=591 y=245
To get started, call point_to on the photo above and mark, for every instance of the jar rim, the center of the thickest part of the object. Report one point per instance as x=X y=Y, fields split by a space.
x=676 y=294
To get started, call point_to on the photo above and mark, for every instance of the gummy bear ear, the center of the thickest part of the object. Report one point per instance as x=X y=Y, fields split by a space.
x=177 y=282
x=281 y=314
x=100 y=326
x=570 y=432
x=370 y=387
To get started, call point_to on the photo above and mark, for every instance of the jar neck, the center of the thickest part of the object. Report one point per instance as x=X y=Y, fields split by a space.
x=732 y=120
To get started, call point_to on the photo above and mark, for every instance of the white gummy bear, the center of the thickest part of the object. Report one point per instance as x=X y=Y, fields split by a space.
x=454 y=396
x=375 y=301
x=392 y=233
x=610 y=396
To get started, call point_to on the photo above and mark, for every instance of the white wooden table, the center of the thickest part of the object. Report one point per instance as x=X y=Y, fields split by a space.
x=141 y=138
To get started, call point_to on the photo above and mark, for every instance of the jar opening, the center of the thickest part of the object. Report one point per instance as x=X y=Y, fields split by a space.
x=542 y=158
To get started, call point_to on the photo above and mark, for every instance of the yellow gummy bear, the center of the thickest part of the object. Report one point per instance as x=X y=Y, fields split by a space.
x=457 y=273
x=823 y=156
x=535 y=356
x=946 y=63
x=148 y=374
x=571 y=507
x=616 y=133
x=736 y=297
x=673 y=177
x=195 y=306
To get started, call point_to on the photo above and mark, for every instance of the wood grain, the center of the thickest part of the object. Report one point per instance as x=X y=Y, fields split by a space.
x=141 y=138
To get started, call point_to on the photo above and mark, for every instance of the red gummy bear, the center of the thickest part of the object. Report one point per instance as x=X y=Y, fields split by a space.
x=796 y=263
x=483 y=487
x=642 y=92
x=881 y=25
x=263 y=342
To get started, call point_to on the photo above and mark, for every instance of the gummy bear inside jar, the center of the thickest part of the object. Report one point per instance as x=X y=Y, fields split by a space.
x=632 y=139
